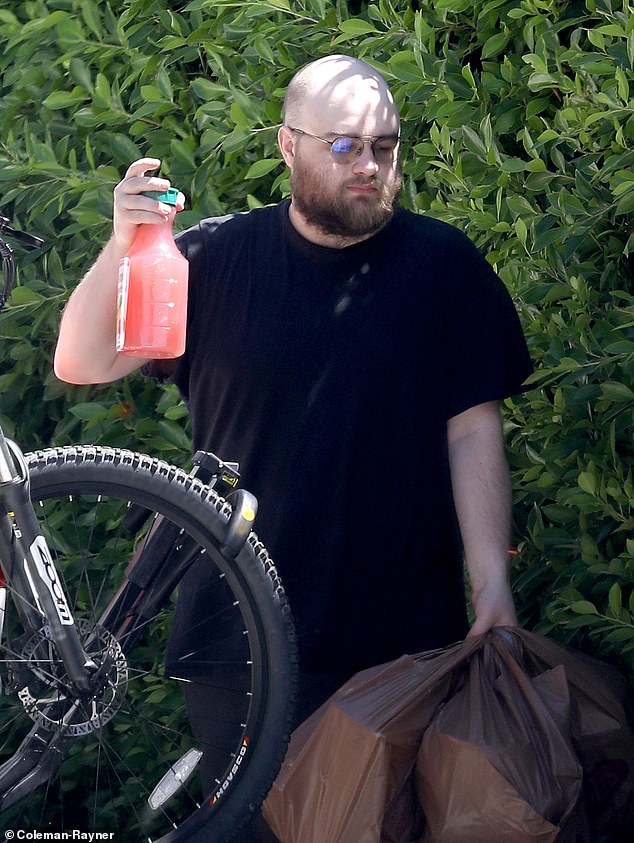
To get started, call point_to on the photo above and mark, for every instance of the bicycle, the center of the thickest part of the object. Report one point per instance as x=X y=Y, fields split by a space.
x=115 y=717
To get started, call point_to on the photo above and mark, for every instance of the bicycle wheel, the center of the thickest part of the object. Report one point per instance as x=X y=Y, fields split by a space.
x=192 y=719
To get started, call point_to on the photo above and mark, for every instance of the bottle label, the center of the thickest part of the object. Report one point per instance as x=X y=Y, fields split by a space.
x=122 y=301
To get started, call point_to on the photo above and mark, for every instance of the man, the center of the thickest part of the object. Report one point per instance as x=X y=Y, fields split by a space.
x=351 y=355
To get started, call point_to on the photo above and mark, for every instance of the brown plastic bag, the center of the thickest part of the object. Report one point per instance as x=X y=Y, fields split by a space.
x=497 y=764
x=347 y=776
x=349 y=773
x=603 y=735
x=535 y=745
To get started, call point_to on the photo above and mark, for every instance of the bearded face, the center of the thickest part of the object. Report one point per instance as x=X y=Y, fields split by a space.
x=337 y=201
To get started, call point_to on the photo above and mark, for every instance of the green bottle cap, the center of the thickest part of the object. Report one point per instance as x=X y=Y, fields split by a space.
x=170 y=197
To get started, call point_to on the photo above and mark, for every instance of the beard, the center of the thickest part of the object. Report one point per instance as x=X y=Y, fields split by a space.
x=334 y=212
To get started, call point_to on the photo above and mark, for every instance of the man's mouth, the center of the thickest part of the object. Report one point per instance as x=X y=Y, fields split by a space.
x=363 y=187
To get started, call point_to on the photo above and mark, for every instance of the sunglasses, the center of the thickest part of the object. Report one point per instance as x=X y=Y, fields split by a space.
x=346 y=148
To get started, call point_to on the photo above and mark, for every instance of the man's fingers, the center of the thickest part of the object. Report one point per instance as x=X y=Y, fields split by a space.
x=135 y=180
x=141 y=167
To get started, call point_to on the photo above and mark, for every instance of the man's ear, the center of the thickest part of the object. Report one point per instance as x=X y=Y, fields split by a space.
x=286 y=141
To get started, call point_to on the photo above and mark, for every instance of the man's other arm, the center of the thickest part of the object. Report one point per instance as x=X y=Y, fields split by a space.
x=483 y=498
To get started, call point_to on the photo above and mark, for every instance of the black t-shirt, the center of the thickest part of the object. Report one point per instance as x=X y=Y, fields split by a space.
x=330 y=374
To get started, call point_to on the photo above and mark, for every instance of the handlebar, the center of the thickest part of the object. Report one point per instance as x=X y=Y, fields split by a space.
x=6 y=254
x=24 y=237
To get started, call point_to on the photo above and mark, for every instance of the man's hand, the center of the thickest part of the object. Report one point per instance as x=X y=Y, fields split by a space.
x=132 y=208
x=493 y=606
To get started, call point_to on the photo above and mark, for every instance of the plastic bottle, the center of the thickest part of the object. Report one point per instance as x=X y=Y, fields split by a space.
x=152 y=291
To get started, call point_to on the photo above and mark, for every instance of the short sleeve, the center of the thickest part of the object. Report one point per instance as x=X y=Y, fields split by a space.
x=485 y=352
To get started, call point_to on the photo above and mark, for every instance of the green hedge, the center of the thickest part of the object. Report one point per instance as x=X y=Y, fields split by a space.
x=518 y=127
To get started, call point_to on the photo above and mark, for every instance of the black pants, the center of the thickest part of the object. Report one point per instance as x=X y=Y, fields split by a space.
x=313 y=689
x=210 y=714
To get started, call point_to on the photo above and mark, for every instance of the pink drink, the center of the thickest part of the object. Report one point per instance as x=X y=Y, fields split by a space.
x=152 y=292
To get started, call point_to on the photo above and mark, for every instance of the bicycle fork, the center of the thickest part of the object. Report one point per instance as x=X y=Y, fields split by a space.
x=30 y=570
x=40 y=601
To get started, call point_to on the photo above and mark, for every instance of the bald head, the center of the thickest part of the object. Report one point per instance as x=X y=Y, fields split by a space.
x=333 y=89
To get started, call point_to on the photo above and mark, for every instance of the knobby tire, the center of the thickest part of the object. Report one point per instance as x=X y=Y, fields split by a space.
x=237 y=677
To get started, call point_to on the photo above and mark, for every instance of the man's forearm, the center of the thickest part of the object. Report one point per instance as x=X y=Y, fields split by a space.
x=483 y=498
x=85 y=351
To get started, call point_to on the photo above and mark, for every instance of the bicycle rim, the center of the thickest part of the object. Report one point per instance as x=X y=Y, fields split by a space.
x=192 y=723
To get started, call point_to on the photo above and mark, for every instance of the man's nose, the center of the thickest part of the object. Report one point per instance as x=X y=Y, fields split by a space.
x=365 y=162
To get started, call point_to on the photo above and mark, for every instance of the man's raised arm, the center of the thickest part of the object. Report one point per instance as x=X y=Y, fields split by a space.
x=85 y=351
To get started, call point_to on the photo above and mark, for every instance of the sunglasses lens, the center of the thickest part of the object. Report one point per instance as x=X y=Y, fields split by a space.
x=344 y=146
x=384 y=147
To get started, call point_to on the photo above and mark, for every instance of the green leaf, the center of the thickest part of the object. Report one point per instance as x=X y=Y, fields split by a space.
x=263 y=167
x=453 y=6
x=207 y=90
x=587 y=482
x=91 y=15
x=175 y=434
x=521 y=230
x=124 y=148
x=102 y=94
x=615 y=599
x=88 y=411
x=625 y=205
x=584 y=607
x=494 y=45
x=403 y=66
x=616 y=391
x=519 y=205
x=63 y=99
x=474 y=142
x=355 y=26
x=151 y=93
x=81 y=73
x=513 y=165
x=25 y=295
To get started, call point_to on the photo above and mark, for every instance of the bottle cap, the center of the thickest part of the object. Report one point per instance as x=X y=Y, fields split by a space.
x=170 y=197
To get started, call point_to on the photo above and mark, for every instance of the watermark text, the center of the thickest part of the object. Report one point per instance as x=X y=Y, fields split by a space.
x=72 y=834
